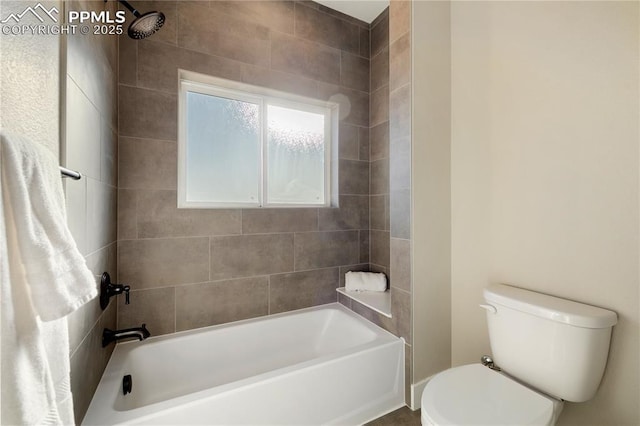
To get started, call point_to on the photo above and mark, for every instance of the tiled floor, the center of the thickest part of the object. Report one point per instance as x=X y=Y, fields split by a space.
x=401 y=417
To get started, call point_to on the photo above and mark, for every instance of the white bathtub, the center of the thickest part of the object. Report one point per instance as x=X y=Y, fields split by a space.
x=322 y=365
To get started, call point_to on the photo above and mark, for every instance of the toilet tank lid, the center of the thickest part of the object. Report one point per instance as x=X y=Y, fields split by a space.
x=550 y=307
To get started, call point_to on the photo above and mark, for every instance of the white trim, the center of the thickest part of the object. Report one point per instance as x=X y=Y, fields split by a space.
x=199 y=83
x=416 y=393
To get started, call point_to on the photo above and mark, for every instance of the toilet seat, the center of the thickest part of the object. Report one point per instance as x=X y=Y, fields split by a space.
x=476 y=395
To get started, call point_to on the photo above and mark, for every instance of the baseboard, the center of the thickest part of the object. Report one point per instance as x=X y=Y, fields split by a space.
x=416 y=393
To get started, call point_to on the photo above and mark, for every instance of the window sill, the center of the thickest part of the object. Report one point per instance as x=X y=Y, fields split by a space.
x=378 y=301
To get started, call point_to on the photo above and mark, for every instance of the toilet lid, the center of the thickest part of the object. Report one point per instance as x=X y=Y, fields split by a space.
x=476 y=395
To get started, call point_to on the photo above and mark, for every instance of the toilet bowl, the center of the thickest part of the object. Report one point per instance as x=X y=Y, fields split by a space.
x=550 y=350
x=476 y=395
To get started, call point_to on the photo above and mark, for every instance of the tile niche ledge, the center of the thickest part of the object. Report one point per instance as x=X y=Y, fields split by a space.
x=376 y=300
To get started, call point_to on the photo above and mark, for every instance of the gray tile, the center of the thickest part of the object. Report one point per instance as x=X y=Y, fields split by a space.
x=305 y=58
x=128 y=60
x=158 y=216
x=212 y=65
x=212 y=303
x=163 y=262
x=354 y=105
x=83 y=319
x=76 y=205
x=154 y=307
x=362 y=267
x=380 y=106
x=380 y=176
x=89 y=64
x=379 y=141
x=263 y=221
x=302 y=289
x=378 y=205
x=353 y=213
x=83 y=132
x=224 y=35
x=251 y=255
x=401 y=312
x=400 y=62
x=109 y=155
x=400 y=164
x=324 y=249
x=278 y=80
x=364 y=143
x=344 y=300
x=158 y=66
x=88 y=363
x=380 y=69
x=380 y=247
x=159 y=63
x=377 y=268
x=400 y=213
x=400 y=264
x=380 y=33
x=354 y=72
x=364 y=42
x=317 y=26
x=364 y=239
x=278 y=15
x=147 y=113
x=127 y=207
x=400 y=113
x=147 y=164
x=354 y=177
x=349 y=142
x=373 y=316
x=101 y=215
x=399 y=18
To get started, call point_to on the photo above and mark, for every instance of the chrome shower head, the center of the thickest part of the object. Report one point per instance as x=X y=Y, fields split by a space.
x=145 y=24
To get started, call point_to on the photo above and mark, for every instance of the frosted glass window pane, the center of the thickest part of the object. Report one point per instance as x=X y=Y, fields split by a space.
x=296 y=155
x=223 y=150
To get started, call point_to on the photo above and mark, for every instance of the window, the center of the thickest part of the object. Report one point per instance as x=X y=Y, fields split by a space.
x=245 y=146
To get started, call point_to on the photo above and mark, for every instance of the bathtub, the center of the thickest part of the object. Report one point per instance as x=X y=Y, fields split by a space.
x=321 y=365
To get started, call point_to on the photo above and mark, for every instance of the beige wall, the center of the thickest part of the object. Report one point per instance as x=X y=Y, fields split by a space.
x=430 y=171
x=544 y=178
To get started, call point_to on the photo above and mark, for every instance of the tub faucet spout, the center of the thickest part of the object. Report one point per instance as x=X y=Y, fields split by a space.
x=139 y=333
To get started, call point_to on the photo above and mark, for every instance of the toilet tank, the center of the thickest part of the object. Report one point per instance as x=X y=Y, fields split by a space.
x=555 y=345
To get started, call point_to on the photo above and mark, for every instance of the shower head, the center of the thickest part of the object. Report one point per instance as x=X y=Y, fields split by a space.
x=145 y=24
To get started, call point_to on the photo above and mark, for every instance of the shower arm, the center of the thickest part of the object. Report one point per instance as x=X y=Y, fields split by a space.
x=128 y=6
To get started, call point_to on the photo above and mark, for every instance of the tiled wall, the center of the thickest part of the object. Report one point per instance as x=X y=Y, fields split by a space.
x=390 y=171
x=90 y=146
x=379 y=143
x=400 y=141
x=193 y=268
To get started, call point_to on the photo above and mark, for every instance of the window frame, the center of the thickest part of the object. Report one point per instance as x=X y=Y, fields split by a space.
x=213 y=86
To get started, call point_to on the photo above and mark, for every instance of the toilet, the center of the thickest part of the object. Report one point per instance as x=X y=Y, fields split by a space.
x=546 y=350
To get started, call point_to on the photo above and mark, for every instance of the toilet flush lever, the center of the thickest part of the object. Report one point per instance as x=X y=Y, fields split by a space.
x=488 y=362
x=489 y=308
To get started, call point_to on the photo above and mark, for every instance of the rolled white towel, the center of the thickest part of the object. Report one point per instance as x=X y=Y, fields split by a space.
x=365 y=281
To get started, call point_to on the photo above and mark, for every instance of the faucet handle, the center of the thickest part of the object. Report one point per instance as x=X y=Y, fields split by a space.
x=108 y=289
